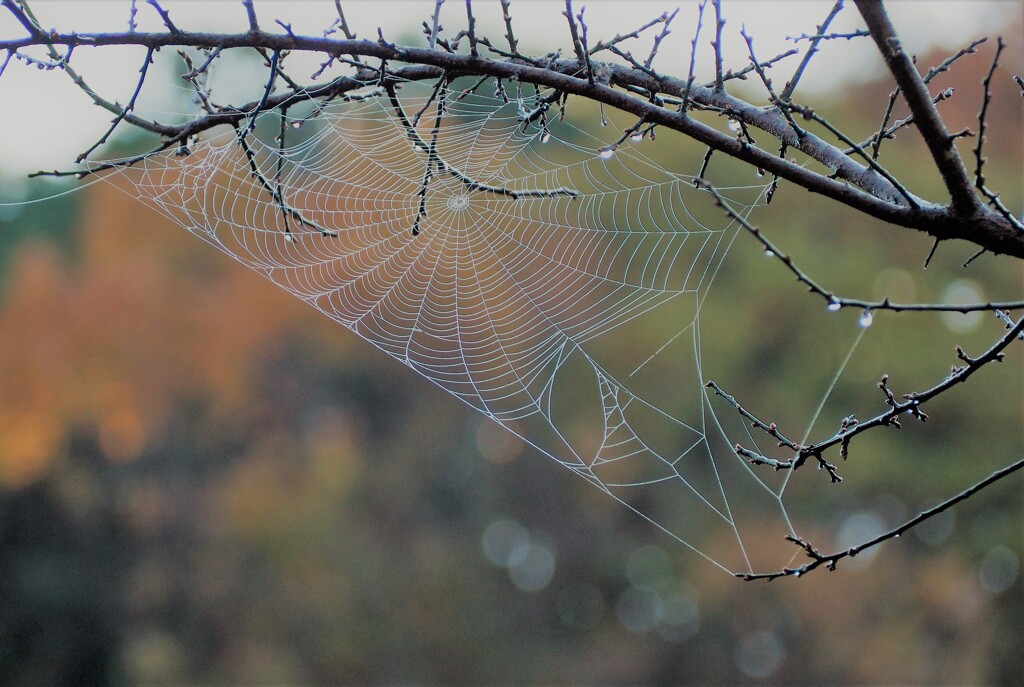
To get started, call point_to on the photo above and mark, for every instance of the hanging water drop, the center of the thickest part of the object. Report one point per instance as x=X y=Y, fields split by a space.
x=769 y=253
x=834 y=305
x=545 y=137
x=637 y=137
x=866 y=318
x=734 y=125
x=297 y=124
x=606 y=153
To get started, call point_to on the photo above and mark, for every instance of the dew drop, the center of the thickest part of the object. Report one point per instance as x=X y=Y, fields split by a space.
x=297 y=124
x=769 y=253
x=866 y=318
x=606 y=153
x=289 y=238
x=545 y=137
x=734 y=125
x=636 y=138
x=834 y=305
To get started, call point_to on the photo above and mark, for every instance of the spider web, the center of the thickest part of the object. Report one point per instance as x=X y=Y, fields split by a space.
x=512 y=259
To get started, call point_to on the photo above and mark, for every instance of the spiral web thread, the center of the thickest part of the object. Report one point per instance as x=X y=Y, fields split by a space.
x=553 y=288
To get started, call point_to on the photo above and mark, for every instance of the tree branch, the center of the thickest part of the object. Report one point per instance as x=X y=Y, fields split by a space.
x=855 y=184
x=940 y=143
x=818 y=559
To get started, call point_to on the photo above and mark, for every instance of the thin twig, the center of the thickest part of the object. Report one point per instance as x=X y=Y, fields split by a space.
x=849 y=35
x=1008 y=321
x=287 y=211
x=832 y=300
x=636 y=64
x=703 y=167
x=685 y=104
x=435 y=24
x=127 y=108
x=250 y=11
x=441 y=83
x=780 y=103
x=741 y=74
x=772 y=430
x=979 y=176
x=717 y=44
x=660 y=37
x=165 y=16
x=510 y=35
x=635 y=33
x=986 y=98
x=577 y=44
x=830 y=561
x=7 y=60
x=428 y=171
x=262 y=104
x=343 y=23
x=787 y=92
x=471 y=29
x=24 y=17
x=931 y=254
x=875 y=140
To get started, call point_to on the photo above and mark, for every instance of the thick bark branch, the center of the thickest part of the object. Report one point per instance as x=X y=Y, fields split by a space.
x=940 y=143
x=855 y=185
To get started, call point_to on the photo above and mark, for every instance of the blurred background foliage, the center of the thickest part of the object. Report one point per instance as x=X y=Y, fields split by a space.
x=202 y=480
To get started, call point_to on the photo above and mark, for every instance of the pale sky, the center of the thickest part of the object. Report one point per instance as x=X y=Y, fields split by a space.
x=46 y=121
